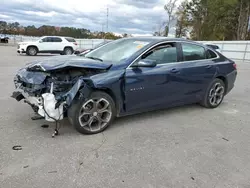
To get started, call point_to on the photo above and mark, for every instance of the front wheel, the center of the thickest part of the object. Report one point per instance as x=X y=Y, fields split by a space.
x=32 y=51
x=92 y=115
x=214 y=94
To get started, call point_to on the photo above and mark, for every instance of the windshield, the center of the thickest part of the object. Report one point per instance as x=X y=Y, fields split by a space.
x=117 y=50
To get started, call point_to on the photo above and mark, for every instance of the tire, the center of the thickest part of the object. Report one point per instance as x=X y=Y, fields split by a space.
x=92 y=121
x=215 y=94
x=67 y=51
x=31 y=51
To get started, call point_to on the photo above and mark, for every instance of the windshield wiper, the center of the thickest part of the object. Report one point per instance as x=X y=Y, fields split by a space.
x=95 y=58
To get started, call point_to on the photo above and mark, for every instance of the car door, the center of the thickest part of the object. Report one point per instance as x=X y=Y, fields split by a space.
x=196 y=69
x=57 y=44
x=149 y=87
x=45 y=44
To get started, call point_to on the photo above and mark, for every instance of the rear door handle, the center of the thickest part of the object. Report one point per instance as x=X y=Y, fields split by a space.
x=174 y=70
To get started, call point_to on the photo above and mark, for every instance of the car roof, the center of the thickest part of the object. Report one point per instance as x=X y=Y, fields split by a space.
x=59 y=36
x=156 y=39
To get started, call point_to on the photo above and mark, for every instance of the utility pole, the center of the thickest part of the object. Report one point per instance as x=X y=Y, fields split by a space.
x=107 y=19
x=103 y=31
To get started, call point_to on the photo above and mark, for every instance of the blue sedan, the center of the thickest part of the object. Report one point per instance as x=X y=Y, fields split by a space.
x=126 y=76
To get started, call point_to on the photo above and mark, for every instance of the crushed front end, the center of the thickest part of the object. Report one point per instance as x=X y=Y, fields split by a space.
x=49 y=93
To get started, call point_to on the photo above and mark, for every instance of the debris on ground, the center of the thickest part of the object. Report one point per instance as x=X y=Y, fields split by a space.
x=225 y=139
x=17 y=147
x=44 y=126
x=52 y=172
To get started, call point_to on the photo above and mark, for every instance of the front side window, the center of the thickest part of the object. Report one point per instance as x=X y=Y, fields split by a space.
x=118 y=50
x=192 y=52
x=47 y=39
x=163 y=54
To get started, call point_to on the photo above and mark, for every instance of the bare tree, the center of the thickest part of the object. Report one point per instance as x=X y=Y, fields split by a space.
x=170 y=8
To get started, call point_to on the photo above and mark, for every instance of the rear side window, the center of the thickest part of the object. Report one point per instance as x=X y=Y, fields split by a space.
x=211 y=54
x=57 y=39
x=70 y=39
x=192 y=52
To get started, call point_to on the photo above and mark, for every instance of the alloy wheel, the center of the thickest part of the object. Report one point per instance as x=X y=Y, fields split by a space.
x=216 y=94
x=95 y=114
x=32 y=51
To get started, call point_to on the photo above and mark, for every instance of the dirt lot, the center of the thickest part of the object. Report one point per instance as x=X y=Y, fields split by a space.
x=182 y=147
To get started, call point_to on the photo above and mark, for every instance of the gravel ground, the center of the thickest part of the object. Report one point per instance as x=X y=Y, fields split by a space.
x=181 y=147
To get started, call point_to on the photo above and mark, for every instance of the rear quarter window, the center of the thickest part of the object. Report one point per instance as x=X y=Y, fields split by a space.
x=211 y=54
x=70 y=39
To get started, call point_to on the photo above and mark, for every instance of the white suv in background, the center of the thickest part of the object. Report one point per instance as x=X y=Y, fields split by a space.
x=48 y=44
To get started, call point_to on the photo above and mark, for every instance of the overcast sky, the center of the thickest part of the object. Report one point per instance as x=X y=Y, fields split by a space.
x=125 y=16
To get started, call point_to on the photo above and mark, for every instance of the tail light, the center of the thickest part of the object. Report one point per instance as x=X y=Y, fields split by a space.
x=235 y=65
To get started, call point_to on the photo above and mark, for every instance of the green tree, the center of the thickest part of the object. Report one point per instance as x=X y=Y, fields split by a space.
x=170 y=9
x=182 y=24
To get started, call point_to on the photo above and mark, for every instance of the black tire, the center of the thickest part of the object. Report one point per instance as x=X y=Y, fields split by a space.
x=68 y=51
x=80 y=107
x=31 y=51
x=208 y=102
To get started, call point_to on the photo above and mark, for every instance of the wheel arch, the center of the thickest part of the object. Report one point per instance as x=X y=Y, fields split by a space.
x=32 y=46
x=224 y=79
x=68 y=47
x=112 y=95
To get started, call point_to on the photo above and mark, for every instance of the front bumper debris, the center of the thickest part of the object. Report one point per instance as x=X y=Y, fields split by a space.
x=44 y=95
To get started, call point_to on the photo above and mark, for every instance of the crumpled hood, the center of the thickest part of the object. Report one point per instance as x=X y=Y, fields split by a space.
x=62 y=62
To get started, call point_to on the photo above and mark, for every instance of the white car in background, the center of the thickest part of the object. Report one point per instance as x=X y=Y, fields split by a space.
x=48 y=44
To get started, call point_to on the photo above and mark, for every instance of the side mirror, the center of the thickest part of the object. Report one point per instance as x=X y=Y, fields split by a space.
x=40 y=41
x=145 y=63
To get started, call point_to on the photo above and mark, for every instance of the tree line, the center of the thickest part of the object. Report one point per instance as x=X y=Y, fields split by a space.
x=16 y=29
x=208 y=19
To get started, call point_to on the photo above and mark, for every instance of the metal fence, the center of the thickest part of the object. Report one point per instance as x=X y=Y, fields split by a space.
x=237 y=50
x=82 y=43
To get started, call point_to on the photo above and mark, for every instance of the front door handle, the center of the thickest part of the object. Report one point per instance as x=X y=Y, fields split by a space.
x=174 y=70
x=209 y=66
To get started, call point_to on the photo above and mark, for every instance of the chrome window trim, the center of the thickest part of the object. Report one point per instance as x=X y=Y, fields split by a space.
x=129 y=67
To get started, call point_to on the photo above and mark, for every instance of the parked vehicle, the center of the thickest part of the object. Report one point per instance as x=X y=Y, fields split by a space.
x=127 y=76
x=4 y=39
x=215 y=47
x=48 y=44
x=82 y=51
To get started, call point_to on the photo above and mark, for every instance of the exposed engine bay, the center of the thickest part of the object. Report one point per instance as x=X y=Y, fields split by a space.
x=50 y=93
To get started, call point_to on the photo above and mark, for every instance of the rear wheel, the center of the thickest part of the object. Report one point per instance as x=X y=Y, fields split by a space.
x=214 y=94
x=32 y=51
x=67 y=51
x=92 y=115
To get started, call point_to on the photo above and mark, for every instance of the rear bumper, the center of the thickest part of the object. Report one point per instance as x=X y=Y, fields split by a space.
x=231 y=78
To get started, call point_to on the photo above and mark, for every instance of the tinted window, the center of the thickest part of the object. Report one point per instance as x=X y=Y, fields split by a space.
x=211 y=54
x=163 y=55
x=213 y=46
x=56 y=39
x=47 y=39
x=70 y=39
x=193 y=52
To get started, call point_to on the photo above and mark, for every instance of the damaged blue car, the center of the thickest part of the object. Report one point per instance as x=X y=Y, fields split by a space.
x=126 y=76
